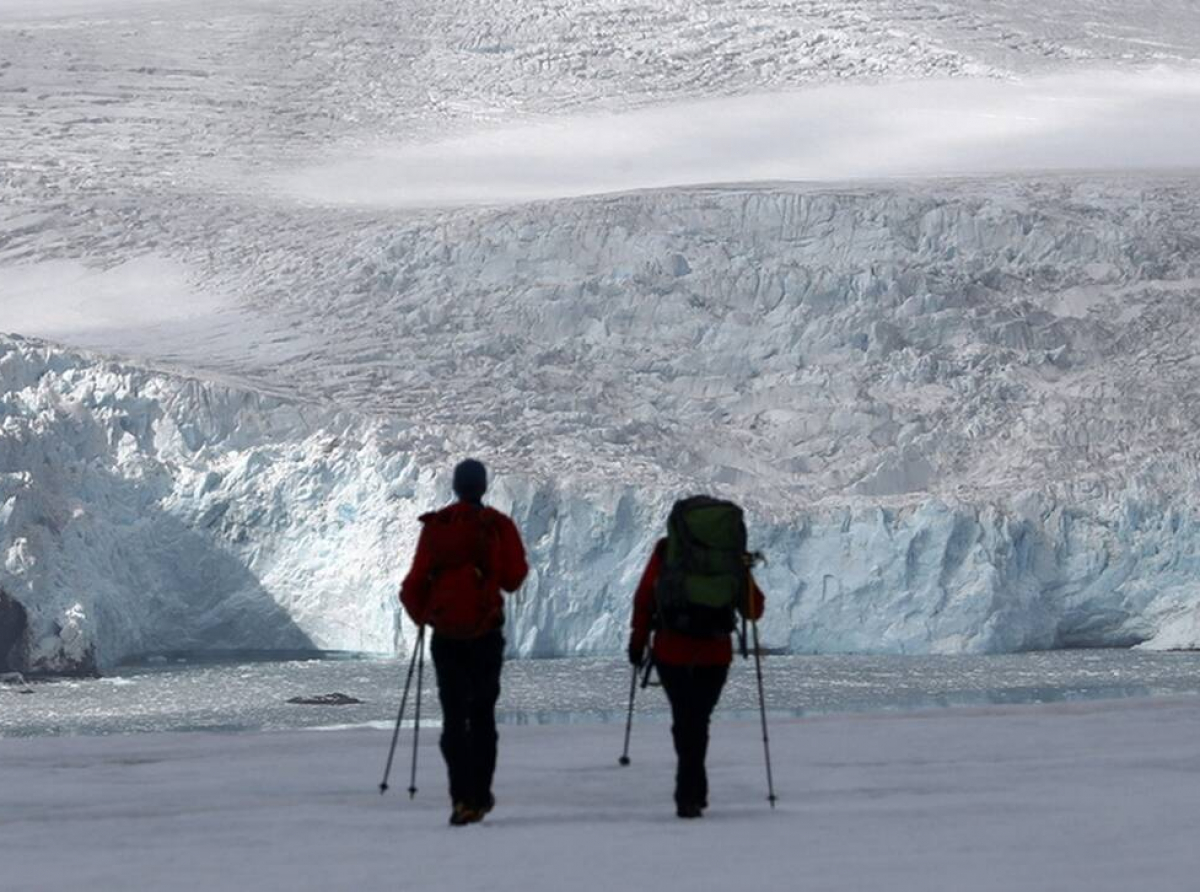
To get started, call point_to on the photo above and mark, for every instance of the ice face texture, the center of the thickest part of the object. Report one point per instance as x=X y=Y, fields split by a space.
x=978 y=471
x=962 y=413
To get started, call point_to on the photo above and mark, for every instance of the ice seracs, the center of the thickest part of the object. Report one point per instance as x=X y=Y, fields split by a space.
x=148 y=512
x=962 y=413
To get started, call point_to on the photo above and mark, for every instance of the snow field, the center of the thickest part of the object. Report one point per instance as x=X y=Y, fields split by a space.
x=1098 y=797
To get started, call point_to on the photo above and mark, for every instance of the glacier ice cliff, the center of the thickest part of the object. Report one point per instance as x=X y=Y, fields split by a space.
x=962 y=412
x=795 y=343
x=142 y=511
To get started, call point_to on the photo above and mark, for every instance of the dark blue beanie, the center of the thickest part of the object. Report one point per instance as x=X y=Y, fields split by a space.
x=470 y=480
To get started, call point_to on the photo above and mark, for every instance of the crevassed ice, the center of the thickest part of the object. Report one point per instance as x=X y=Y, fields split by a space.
x=144 y=511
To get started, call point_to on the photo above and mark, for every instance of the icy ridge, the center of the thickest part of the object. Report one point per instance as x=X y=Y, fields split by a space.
x=143 y=512
x=793 y=343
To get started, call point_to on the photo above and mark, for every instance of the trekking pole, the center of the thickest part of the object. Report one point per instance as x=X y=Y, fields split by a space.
x=412 y=785
x=412 y=665
x=624 y=760
x=762 y=709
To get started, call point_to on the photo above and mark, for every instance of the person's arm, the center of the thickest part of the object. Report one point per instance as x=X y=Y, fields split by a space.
x=414 y=591
x=513 y=565
x=643 y=608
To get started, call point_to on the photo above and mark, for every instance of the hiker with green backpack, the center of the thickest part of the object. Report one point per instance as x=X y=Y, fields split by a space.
x=696 y=585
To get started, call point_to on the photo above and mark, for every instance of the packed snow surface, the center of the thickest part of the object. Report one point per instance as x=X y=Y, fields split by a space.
x=1103 y=798
x=962 y=411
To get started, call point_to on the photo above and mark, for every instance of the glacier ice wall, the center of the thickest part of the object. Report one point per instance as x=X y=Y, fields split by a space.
x=963 y=413
x=140 y=512
x=144 y=512
x=956 y=339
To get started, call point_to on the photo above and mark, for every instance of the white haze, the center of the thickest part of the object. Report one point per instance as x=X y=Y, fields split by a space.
x=1095 y=121
x=34 y=11
x=65 y=299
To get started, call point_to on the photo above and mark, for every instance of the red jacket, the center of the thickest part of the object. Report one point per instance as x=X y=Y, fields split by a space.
x=674 y=648
x=507 y=567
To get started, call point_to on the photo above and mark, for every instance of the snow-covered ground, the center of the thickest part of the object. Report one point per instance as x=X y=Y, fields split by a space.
x=1091 y=797
x=962 y=411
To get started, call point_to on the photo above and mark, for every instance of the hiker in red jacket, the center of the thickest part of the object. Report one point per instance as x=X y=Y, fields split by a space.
x=692 y=669
x=466 y=555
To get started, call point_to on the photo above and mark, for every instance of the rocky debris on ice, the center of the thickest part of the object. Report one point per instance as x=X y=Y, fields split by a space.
x=13 y=623
x=334 y=699
x=14 y=682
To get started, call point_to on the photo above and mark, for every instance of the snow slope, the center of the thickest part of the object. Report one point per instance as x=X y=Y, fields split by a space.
x=962 y=411
x=1102 y=797
x=1094 y=121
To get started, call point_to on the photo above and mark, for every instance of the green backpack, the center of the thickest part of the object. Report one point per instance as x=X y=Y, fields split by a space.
x=705 y=568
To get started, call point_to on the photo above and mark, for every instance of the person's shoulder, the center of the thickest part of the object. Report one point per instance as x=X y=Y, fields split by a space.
x=498 y=517
x=439 y=513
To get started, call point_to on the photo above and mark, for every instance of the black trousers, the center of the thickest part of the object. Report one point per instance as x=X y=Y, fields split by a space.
x=693 y=692
x=468 y=676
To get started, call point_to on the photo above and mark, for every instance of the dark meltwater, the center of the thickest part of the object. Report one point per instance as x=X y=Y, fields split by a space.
x=247 y=694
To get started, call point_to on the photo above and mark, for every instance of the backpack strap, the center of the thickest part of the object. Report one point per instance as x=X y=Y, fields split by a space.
x=483 y=544
x=481 y=559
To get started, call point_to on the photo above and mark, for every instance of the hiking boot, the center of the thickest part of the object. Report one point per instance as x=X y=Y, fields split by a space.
x=463 y=814
x=488 y=805
x=689 y=810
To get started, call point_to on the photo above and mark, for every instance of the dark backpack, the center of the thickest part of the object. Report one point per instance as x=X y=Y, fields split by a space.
x=705 y=572
x=464 y=595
